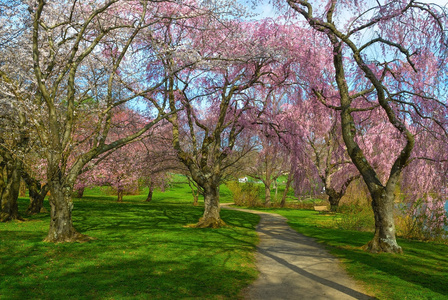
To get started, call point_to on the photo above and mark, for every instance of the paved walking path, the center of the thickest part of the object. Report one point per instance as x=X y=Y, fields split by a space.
x=293 y=266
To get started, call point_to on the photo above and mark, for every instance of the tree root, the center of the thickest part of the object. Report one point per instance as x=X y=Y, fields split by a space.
x=208 y=223
x=32 y=212
x=4 y=217
x=378 y=245
x=73 y=238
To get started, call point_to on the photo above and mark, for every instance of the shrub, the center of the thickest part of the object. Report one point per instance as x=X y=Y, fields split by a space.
x=424 y=219
x=355 y=217
x=245 y=194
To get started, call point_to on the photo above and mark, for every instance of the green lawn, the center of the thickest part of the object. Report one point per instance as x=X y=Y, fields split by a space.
x=142 y=251
x=420 y=273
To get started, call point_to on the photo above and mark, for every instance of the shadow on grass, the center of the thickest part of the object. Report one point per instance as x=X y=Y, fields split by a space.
x=134 y=278
x=142 y=250
x=422 y=264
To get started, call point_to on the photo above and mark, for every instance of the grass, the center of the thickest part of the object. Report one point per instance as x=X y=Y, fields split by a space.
x=420 y=273
x=142 y=251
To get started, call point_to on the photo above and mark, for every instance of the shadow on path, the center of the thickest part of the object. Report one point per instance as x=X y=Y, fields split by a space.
x=293 y=266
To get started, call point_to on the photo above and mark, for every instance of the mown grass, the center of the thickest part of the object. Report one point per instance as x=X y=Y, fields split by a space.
x=141 y=251
x=420 y=273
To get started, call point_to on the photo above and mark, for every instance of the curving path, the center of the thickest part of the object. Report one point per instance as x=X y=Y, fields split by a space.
x=293 y=266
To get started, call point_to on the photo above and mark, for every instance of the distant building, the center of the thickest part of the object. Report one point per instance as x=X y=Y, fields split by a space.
x=243 y=180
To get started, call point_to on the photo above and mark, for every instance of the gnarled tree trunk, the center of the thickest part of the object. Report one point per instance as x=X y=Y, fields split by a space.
x=384 y=239
x=37 y=196
x=334 y=202
x=211 y=217
x=22 y=189
x=333 y=197
x=61 y=224
x=9 y=209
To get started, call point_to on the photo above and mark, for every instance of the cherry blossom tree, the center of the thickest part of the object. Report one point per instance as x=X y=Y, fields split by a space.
x=13 y=123
x=160 y=159
x=270 y=164
x=321 y=142
x=9 y=184
x=207 y=133
x=80 y=55
x=386 y=55
x=272 y=158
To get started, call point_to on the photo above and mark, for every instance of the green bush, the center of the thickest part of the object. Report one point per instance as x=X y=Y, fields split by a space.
x=245 y=194
x=355 y=217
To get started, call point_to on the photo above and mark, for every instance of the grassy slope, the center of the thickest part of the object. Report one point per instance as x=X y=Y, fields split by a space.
x=142 y=250
x=420 y=273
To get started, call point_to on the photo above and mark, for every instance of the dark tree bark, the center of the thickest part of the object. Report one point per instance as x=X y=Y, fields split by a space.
x=150 y=192
x=9 y=209
x=80 y=192
x=37 y=194
x=334 y=198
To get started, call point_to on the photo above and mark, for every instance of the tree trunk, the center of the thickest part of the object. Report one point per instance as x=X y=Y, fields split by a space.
x=80 y=192
x=276 y=190
x=384 y=239
x=2 y=178
x=194 y=191
x=334 y=202
x=37 y=196
x=61 y=224
x=195 y=199
x=382 y=196
x=149 y=197
x=211 y=217
x=333 y=197
x=22 y=190
x=120 y=193
x=285 y=192
x=267 y=192
x=9 y=209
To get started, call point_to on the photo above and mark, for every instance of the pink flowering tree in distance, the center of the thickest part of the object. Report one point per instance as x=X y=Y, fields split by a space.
x=427 y=200
x=218 y=93
x=387 y=55
x=159 y=160
x=122 y=168
x=272 y=157
x=324 y=150
x=270 y=163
